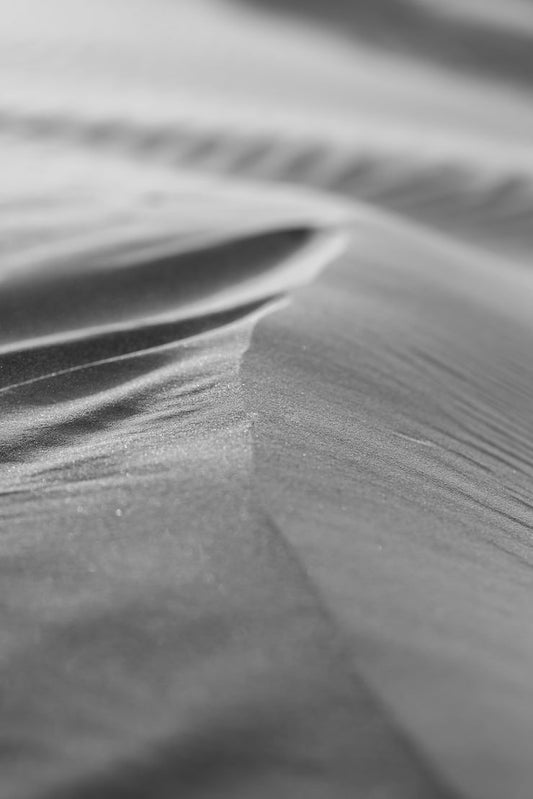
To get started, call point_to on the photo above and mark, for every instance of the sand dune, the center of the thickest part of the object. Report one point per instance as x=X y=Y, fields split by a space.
x=265 y=381
x=396 y=454
x=171 y=640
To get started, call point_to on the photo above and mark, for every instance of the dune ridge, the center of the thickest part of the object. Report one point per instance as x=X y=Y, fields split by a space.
x=170 y=637
x=251 y=546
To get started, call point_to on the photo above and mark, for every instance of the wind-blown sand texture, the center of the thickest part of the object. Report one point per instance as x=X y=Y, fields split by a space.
x=265 y=379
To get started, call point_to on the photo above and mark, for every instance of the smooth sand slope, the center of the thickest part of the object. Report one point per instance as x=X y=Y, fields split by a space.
x=394 y=448
x=265 y=526
x=305 y=575
x=159 y=634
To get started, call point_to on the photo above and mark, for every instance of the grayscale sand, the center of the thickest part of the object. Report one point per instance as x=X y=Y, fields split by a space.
x=394 y=450
x=266 y=423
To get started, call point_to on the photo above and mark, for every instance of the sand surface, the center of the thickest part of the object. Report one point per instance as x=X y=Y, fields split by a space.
x=265 y=382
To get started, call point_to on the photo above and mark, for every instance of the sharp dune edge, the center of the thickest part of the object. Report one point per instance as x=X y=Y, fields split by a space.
x=265 y=521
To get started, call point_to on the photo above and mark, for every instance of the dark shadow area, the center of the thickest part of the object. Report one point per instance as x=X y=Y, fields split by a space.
x=89 y=297
x=40 y=439
x=38 y=380
x=39 y=363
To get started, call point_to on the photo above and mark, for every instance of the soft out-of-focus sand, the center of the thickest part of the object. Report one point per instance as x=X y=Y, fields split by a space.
x=249 y=546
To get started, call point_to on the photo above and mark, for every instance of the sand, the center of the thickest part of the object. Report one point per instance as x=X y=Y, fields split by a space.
x=396 y=455
x=159 y=633
x=265 y=382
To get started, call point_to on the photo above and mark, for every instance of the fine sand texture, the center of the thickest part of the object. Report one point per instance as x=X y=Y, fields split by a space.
x=266 y=442
x=394 y=449
x=160 y=637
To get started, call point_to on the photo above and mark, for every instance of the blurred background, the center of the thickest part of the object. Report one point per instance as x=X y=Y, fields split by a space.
x=420 y=107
